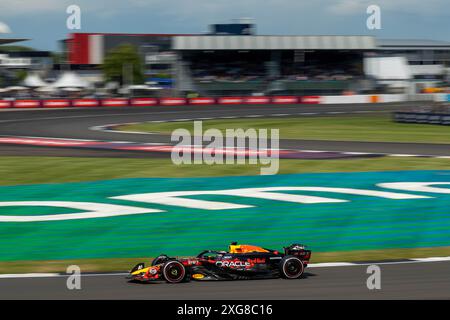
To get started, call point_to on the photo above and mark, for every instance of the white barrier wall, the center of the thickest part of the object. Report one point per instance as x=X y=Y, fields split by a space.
x=392 y=97
x=344 y=99
x=424 y=97
x=363 y=98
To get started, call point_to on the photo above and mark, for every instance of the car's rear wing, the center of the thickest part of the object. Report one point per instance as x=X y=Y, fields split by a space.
x=299 y=251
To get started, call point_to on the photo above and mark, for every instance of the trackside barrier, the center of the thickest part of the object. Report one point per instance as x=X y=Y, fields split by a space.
x=115 y=102
x=422 y=117
x=85 y=103
x=201 y=101
x=253 y=100
x=391 y=98
x=230 y=100
x=441 y=97
x=285 y=99
x=257 y=100
x=27 y=104
x=172 y=101
x=311 y=99
x=143 y=102
x=57 y=103
x=5 y=104
x=422 y=97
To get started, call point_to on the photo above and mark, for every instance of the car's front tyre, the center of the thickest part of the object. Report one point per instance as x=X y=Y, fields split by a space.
x=174 y=271
x=291 y=267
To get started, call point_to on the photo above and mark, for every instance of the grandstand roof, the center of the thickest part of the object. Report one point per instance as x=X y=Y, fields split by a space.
x=412 y=44
x=204 y=42
x=10 y=40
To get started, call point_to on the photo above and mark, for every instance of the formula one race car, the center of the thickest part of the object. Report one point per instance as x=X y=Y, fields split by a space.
x=240 y=262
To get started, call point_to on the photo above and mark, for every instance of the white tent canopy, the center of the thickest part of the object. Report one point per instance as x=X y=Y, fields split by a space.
x=45 y=89
x=33 y=80
x=14 y=88
x=138 y=87
x=70 y=79
x=4 y=28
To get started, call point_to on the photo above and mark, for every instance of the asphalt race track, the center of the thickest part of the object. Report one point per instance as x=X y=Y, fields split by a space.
x=426 y=280
x=78 y=124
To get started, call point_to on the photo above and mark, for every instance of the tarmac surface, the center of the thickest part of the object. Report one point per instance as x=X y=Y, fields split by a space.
x=425 y=280
x=80 y=123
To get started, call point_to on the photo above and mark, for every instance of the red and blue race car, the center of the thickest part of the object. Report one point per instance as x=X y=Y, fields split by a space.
x=240 y=262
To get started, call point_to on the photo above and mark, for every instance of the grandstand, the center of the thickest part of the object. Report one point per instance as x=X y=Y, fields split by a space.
x=239 y=62
x=293 y=64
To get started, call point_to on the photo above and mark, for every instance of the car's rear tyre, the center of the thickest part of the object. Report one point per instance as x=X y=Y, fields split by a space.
x=291 y=267
x=173 y=271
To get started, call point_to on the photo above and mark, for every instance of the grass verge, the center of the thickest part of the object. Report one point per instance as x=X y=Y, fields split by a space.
x=374 y=128
x=30 y=170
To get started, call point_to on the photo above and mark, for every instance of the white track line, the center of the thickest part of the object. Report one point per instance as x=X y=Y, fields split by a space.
x=330 y=264
x=299 y=150
x=51 y=138
x=432 y=259
x=29 y=275
x=404 y=155
x=356 y=153
x=127 y=114
x=105 y=127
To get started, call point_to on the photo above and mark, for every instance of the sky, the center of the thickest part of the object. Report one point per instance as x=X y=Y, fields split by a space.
x=44 y=21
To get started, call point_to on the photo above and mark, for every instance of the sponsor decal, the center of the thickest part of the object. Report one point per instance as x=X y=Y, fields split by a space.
x=172 y=101
x=5 y=104
x=256 y=261
x=374 y=99
x=233 y=264
x=198 y=276
x=285 y=99
x=60 y=103
x=230 y=100
x=117 y=102
x=201 y=101
x=143 y=102
x=153 y=271
x=85 y=103
x=257 y=100
x=27 y=104
x=190 y=262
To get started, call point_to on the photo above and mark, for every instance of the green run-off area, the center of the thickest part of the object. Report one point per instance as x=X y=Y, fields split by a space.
x=362 y=223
